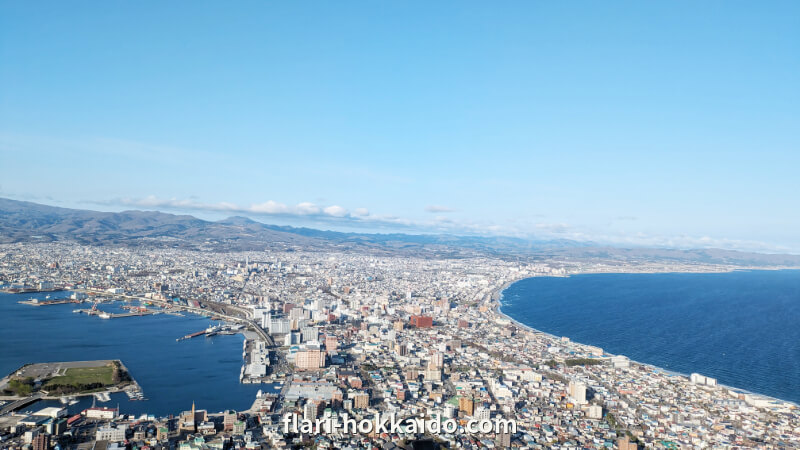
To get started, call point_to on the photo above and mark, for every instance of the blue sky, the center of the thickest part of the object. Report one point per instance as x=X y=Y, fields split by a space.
x=632 y=123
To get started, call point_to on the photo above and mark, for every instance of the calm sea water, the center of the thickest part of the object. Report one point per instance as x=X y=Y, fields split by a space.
x=172 y=374
x=742 y=328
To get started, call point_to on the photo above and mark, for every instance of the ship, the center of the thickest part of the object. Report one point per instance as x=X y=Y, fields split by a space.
x=104 y=315
x=214 y=329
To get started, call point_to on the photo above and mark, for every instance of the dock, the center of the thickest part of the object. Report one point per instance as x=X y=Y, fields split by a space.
x=189 y=336
x=38 y=302
x=107 y=315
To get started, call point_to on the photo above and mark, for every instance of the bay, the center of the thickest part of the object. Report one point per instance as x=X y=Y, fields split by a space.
x=741 y=327
x=171 y=374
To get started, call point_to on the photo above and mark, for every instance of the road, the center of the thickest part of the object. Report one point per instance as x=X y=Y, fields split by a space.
x=21 y=403
x=263 y=334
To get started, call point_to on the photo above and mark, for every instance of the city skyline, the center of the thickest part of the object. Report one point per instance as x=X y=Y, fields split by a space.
x=399 y=225
x=638 y=125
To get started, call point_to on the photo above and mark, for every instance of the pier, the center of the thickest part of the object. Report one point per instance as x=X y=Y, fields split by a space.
x=107 y=315
x=189 y=336
x=223 y=311
x=38 y=302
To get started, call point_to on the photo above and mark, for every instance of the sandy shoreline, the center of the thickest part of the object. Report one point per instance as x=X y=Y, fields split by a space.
x=497 y=296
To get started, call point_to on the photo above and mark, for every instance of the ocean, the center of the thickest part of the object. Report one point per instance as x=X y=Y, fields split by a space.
x=741 y=327
x=171 y=374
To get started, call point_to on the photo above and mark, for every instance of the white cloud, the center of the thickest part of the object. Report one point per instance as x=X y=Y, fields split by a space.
x=361 y=218
x=438 y=209
x=268 y=208
x=335 y=211
x=307 y=208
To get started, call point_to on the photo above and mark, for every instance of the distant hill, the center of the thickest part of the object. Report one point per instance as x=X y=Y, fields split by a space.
x=32 y=222
x=22 y=221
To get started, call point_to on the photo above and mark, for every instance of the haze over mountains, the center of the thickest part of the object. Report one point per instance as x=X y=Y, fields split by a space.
x=22 y=221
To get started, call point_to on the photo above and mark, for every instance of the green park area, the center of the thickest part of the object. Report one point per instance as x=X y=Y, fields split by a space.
x=72 y=380
x=82 y=376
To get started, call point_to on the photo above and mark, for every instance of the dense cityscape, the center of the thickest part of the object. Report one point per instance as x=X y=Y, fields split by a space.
x=362 y=336
x=399 y=225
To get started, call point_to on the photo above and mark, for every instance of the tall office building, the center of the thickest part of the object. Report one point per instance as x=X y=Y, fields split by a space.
x=466 y=405
x=482 y=413
x=310 y=410
x=577 y=392
x=331 y=343
x=310 y=333
x=436 y=361
x=41 y=442
x=228 y=419
x=309 y=360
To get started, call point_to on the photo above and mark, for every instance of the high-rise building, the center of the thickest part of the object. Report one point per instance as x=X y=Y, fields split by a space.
x=482 y=413
x=279 y=325
x=331 y=343
x=504 y=439
x=111 y=433
x=577 y=392
x=309 y=360
x=310 y=410
x=228 y=419
x=421 y=321
x=261 y=315
x=41 y=442
x=432 y=374
x=310 y=333
x=624 y=443
x=162 y=433
x=594 y=412
x=59 y=426
x=360 y=399
x=466 y=405
x=291 y=338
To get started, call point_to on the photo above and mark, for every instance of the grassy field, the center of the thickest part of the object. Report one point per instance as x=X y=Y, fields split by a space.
x=84 y=376
x=82 y=379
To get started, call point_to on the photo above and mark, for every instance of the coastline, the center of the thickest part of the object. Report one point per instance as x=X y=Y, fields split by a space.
x=496 y=308
x=145 y=381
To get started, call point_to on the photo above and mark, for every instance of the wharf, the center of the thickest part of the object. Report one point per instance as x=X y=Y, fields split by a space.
x=134 y=314
x=106 y=315
x=59 y=301
x=28 y=290
x=189 y=336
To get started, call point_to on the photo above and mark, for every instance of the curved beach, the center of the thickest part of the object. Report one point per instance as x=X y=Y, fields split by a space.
x=500 y=293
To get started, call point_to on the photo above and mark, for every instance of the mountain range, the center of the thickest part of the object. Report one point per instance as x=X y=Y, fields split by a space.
x=22 y=221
